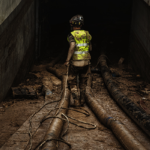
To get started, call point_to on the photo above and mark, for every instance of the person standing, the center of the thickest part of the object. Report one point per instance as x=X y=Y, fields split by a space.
x=79 y=57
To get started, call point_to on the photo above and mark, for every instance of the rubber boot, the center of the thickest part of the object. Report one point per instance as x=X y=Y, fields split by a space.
x=74 y=100
x=82 y=97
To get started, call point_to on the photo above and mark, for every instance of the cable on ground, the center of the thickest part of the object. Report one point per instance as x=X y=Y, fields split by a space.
x=30 y=124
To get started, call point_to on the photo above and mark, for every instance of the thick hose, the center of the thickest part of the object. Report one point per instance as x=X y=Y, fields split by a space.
x=55 y=71
x=138 y=115
x=56 y=126
x=55 y=60
x=120 y=131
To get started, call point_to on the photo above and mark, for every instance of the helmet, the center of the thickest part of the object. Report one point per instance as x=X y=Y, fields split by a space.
x=77 y=21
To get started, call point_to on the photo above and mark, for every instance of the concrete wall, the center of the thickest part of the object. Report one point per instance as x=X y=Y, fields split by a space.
x=17 y=38
x=7 y=7
x=140 y=38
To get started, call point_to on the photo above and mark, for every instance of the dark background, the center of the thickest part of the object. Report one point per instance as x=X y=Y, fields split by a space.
x=107 y=21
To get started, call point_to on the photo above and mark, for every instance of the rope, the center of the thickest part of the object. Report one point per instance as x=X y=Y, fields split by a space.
x=63 y=90
x=82 y=122
x=66 y=119
x=67 y=125
x=85 y=113
x=72 y=122
x=30 y=124
x=60 y=140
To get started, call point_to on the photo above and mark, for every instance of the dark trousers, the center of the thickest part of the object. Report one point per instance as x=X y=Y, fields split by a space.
x=83 y=76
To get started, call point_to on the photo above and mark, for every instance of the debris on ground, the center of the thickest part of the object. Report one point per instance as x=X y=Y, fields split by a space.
x=55 y=80
x=145 y=105
x=95 y=70
x=121 y=60
x=24 y=92
x=138 y=75
x=115 y=74
x=100 y=138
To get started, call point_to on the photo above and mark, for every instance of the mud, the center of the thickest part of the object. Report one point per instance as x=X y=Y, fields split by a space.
x=14 y=112
x=102 y=138
x=128 y=85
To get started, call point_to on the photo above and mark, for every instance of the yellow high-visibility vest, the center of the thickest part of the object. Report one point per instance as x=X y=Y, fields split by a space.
x=82 y=39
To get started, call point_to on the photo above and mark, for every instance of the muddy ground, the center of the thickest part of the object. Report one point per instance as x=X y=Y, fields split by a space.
x=14 y=112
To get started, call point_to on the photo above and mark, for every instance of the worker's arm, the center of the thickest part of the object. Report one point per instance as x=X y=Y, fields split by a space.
x=70 y=52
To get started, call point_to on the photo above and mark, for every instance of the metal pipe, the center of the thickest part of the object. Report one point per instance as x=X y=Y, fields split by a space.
x=138 y=115
x=120 y=131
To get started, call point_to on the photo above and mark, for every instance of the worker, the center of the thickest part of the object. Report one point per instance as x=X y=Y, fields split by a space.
x=78 y=58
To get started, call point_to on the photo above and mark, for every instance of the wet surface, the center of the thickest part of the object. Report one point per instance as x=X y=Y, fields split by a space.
x=128 y=85
x=14 y=112
x=101 y=137
x=80 y=138
x=110 y=36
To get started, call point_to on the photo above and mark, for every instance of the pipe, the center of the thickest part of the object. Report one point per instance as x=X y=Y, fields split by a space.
x=55 y=60
x=89 y=81
x=138 y=115
x=57 y=73
x=120 y=131
x=56 y=126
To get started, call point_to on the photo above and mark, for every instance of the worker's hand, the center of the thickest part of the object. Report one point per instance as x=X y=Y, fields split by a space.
x=66 y=63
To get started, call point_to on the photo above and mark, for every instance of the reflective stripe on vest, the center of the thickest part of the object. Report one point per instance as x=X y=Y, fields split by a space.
x=82 y=44
x=82 y=39
x=81 y=52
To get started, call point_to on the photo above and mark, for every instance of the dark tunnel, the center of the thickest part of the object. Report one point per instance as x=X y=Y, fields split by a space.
x=107 y=21
x=56 y=95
